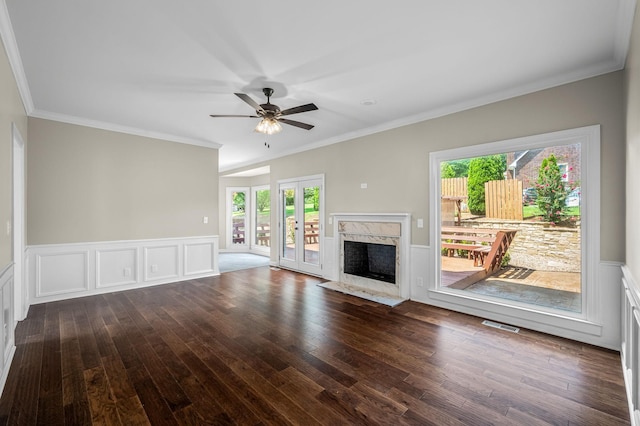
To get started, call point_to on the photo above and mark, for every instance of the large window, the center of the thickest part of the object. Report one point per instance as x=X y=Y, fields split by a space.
x=261 y=197
x=501 y=240
x=238 y=219
x=516 y=224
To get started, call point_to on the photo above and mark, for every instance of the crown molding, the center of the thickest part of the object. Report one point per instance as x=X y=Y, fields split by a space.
x=13 y=54
x=626 y=14
x=15 y=61
x=80 y=121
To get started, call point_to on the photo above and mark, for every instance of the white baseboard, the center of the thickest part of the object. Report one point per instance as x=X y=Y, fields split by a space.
x=63 y=271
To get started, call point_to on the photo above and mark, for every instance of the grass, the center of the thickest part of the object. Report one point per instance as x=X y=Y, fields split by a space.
x=263 y=216
x=529 y=212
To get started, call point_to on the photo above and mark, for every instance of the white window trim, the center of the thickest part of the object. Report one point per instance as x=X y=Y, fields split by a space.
x=590 y=319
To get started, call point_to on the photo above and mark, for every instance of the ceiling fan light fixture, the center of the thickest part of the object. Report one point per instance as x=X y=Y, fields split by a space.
x=268 y=126
x=270 y=114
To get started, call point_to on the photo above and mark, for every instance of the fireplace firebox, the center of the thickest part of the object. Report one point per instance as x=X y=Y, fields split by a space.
x=370 y=260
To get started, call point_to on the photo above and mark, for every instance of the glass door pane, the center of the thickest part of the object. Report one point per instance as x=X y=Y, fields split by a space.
x=238 y=217
x=301 y=225
x=290 y=224
x=262 y=212
x=311 y=224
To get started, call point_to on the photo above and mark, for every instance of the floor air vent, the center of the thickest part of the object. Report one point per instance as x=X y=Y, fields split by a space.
x=501 y=326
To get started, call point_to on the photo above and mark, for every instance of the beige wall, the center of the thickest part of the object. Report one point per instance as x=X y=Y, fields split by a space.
x=394 y=164
x=632 y=106
x=11 y=111
x=88 y=185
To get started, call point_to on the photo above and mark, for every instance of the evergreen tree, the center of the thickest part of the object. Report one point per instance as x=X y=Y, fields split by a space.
x=481 y=170
x=552 y=192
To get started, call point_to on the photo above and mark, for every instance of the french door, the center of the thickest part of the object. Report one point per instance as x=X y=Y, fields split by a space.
x=300 y=224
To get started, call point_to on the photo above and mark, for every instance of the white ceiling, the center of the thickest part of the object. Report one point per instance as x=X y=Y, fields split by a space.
x=160 y=67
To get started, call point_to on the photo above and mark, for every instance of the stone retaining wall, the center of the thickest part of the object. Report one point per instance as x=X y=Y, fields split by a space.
x=538 y=245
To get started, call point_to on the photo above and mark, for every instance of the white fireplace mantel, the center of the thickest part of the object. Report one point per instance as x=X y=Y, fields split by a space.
x=379 y=227
x=367 y=216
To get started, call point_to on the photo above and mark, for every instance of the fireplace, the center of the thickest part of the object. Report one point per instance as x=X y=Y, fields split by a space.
x=370 y=260
x=372 y=255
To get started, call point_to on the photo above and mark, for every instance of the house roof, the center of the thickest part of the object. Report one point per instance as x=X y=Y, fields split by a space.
x=159 y=68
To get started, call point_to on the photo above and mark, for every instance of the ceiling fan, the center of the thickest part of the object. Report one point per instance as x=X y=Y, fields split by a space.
x=271 y=114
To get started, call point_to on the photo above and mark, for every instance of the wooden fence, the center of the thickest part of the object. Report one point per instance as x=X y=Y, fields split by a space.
x=455 y=187
x=503 y=199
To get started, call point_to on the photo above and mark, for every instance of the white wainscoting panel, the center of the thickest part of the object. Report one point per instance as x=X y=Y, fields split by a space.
x=62 y=271
x=116 y=267
x=7 y=323
x=161 y=262
x=630 y=348
x=198 y=258
x=330 y=268
x=421 y=268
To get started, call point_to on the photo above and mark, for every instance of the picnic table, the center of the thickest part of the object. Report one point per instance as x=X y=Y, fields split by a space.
x=485 y=246
x=311 y=232
x=458 y=203
x=263 y=234
x=238 y=233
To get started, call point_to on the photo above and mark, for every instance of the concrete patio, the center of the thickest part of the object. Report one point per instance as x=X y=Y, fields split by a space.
x=559 y=290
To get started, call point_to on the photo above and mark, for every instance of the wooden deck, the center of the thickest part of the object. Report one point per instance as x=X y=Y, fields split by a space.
x=458 y=272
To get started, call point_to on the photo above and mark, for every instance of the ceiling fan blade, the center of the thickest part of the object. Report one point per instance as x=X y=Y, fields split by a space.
x=251 y=102
x=299 y=109
x=243 y=116
x=296 y=123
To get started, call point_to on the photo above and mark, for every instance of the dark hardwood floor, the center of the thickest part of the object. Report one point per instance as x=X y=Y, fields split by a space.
x=270 y=347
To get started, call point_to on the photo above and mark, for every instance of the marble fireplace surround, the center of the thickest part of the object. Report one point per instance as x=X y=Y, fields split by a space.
x=378 y=228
